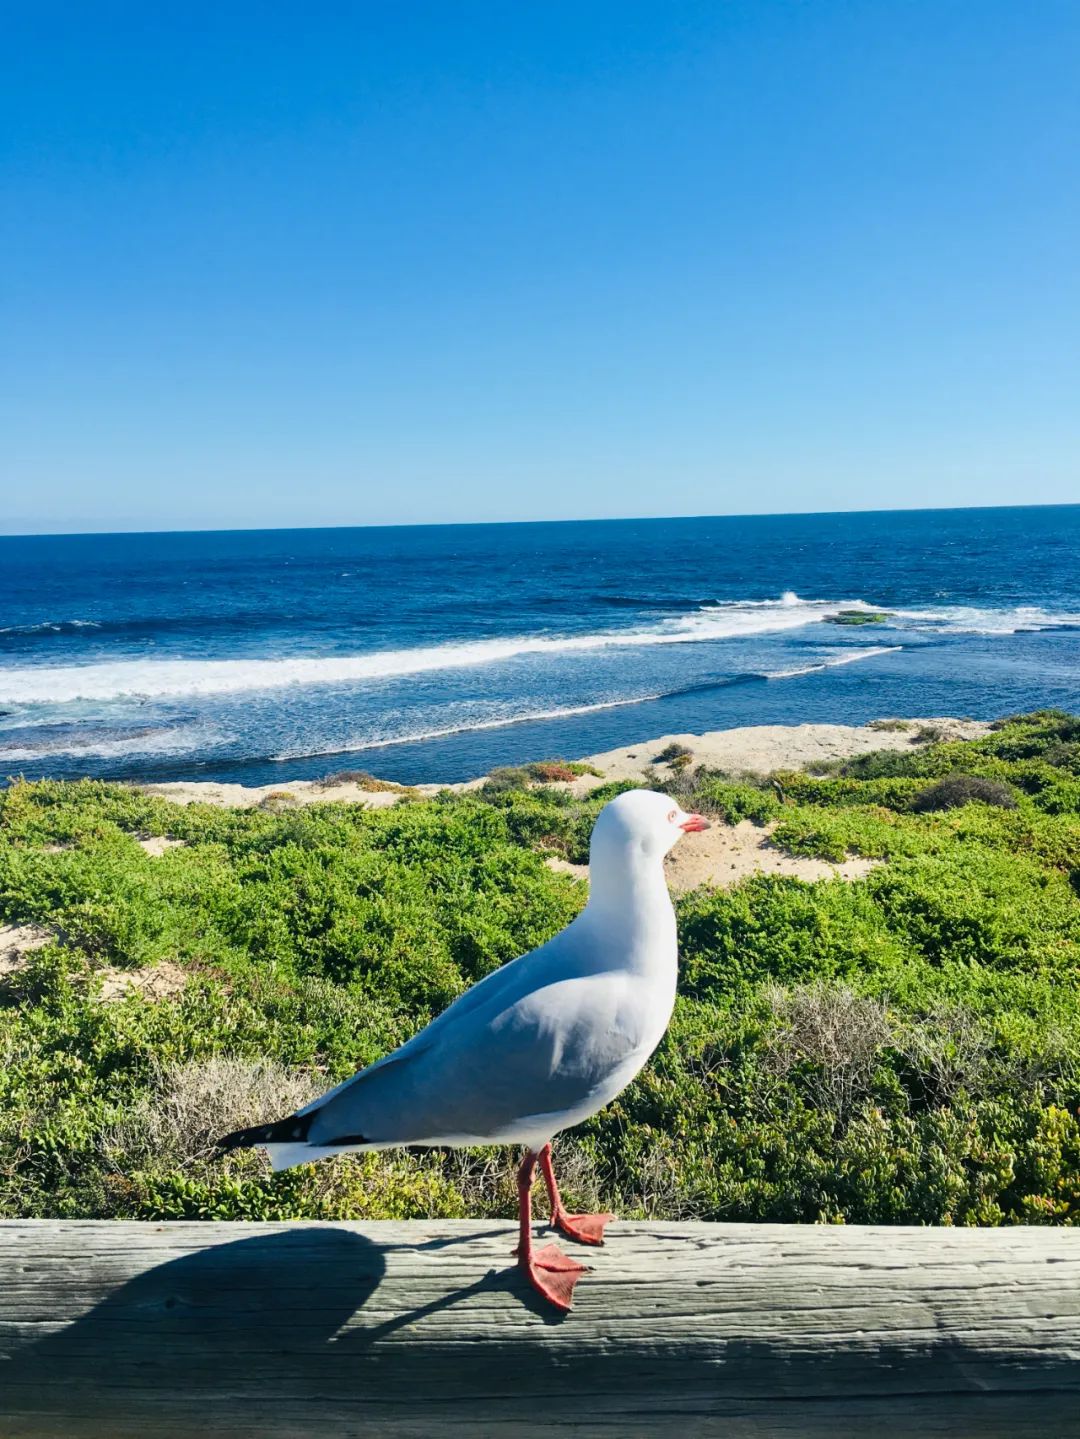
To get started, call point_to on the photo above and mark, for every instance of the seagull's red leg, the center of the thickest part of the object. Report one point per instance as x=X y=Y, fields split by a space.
x=586 y=1228
x=550 y=1272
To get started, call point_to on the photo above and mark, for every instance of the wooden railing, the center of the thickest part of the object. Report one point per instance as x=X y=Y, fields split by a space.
x=422 y=1329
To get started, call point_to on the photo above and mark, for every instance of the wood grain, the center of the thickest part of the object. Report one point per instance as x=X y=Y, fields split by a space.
x=421 y=1329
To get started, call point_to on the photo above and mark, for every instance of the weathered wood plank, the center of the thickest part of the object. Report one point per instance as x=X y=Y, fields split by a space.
x=377 y=1329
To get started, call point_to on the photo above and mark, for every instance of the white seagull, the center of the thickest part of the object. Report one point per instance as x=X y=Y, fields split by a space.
x=536 y=1047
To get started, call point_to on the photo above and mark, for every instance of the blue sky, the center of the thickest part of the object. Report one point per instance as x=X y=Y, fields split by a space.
x=394 y=262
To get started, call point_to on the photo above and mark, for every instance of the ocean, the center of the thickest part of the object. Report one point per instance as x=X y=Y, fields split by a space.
x=433 y=653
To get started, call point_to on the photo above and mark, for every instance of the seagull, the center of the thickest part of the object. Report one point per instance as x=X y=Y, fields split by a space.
x=534 y=1048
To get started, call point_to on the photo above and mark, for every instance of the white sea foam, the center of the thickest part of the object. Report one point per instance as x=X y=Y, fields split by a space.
x=49 y=627
x=847 y=657
x=185 y=739
x=161 y=678
x=970 y=619
x=114 y=679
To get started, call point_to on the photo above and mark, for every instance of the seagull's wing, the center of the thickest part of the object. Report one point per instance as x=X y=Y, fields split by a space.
x=559 y=957
x=549 y=1051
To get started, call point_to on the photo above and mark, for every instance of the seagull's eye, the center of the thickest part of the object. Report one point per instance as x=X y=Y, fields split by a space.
x=673 y=816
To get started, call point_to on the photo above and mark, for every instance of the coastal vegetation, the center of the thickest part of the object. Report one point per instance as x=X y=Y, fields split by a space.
x=678 y=756
x=904 y=1048
x=560 y=771
x=363 y=780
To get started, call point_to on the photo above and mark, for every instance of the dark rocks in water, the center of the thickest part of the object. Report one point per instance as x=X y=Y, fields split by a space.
x=858 y=617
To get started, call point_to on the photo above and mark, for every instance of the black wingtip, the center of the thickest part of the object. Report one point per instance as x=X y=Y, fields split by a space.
x=293 y=1129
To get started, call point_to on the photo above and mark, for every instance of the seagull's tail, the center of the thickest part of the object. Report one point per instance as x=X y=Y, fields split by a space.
x=291 y=1130
x=286 y=1142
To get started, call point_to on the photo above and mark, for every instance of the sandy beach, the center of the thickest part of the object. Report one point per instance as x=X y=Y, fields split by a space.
x=751 y=750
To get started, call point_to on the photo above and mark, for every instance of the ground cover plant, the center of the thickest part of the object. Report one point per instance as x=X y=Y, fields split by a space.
x=903 y=1048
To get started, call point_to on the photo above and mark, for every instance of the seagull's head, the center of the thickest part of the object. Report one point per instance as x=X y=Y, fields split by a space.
x=641 y=821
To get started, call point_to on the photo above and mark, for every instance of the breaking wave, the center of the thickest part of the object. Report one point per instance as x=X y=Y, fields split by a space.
x=152 y=678
x=738 y=619
x=970 y=619
x=847 y=658
x=50 y=627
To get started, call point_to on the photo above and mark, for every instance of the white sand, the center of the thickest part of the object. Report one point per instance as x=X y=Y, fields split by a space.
x=723 y=855
x=17 y=942
x=286 y=795
x=753 y=749
x=155 y=845
x=762 y=749
x=157 y=981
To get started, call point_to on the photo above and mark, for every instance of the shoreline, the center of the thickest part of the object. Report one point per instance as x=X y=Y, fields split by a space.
x=747 y=749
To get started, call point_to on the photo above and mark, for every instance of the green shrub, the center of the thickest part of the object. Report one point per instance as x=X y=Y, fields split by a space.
x=902 y=1049
x=876 y=764
x=560 y=771
x=277 y=799
x=550 y=772
x=715 y=794
x=958 y=789
x=672 y=753
x=499 y=781
x=363 y=780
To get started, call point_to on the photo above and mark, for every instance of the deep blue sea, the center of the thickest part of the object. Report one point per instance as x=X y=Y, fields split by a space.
x=434 y=653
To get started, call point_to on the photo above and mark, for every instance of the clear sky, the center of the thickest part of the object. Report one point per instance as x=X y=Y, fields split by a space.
x=388 y=261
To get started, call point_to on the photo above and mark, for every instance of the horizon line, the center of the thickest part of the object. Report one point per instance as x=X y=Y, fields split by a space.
x=494 y=524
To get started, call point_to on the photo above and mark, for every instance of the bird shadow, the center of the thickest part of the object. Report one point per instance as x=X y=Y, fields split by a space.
x=271 y=1322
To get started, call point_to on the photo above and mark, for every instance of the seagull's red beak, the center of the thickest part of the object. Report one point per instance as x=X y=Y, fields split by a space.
x=694 y=824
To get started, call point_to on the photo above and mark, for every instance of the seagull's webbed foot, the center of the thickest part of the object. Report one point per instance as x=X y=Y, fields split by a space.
x=585 y=1228
x=553 y=1275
